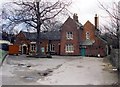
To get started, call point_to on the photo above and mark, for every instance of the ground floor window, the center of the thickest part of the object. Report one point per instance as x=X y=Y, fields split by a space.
x=33 y=47
x=69 y=48
x=42 y=49
x=52 y=47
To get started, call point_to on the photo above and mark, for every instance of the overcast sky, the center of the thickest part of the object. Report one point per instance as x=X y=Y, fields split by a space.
x=86 y=9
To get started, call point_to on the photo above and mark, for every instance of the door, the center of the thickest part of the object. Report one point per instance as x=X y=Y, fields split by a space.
x=83 y=52
x=24 y=49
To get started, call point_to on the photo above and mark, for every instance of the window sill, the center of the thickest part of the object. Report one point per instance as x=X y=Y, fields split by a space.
x=70 y=52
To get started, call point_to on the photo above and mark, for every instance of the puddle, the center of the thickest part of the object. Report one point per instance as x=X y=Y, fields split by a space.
x=46 y=72
x=29 y=78
x=79 y=66
x=24 y=65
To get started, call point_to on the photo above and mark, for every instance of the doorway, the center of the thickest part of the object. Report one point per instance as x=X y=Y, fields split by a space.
x=24 y=50
x=82 y=51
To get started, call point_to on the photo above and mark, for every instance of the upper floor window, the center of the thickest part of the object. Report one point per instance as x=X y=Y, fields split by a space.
x=69 y=48
x=87 y=35
x=69 y=35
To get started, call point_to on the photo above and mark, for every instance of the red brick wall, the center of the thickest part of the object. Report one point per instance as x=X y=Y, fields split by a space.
x=20 y=39
x=99 y=47
x=88 y=26
x=69 y=26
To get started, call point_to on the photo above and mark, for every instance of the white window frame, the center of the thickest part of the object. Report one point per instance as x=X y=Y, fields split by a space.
x=52 y=48
x=69 y=35
x=69 y=48
x=87 y=35
x=33 y=47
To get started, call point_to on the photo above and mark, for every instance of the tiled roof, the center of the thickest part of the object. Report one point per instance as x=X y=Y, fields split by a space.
x=51 y=35
x=79 y=24
x=87 y=42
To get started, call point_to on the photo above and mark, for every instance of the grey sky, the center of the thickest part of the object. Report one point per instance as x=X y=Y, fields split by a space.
x=86 y=9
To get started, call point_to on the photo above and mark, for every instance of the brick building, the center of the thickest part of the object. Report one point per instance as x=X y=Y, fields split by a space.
x=70 y=37
x=73 y=39
x=84 y=40
x=27 y=42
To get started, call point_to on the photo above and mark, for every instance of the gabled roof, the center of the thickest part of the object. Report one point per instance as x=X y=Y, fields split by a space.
x=70 y=19
x=88 y=22
x=97 y=30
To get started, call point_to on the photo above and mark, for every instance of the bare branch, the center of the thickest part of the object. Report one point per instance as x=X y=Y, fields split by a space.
x=111 y=14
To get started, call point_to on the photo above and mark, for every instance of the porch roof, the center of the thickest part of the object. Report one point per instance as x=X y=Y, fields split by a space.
x=87 y=42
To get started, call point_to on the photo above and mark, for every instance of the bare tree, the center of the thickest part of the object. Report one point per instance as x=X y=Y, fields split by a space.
x=33 y=14
x=114 y=16
x=113 y=23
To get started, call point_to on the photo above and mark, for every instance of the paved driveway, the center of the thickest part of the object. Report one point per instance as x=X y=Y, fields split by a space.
x=59 y=70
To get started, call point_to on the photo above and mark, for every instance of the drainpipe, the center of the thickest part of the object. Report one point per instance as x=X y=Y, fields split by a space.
x=48 y=47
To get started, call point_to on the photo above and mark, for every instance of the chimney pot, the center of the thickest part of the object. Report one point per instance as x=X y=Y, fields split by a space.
x=75 y=17
x=96 y=21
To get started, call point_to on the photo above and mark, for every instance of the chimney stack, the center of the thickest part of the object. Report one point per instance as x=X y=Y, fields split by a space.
x=75 y=17
x=96 y=22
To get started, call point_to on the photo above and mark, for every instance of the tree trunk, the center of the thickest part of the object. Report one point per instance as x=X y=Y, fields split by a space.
x=38 y=42
x=38 y=31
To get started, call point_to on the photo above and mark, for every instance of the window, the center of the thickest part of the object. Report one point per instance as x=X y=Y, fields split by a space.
x=33 y=47
x=69 y=48
x=87 y=35
x=52 y=47
x=69 y=35
x=42 y=49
